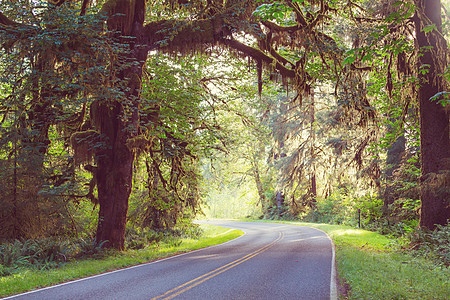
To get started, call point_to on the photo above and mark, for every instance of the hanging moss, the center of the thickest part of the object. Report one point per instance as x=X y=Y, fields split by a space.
x=139 y=143
x=182 y=36
x=84 y=144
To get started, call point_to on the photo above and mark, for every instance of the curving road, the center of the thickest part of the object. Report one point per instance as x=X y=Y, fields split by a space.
x=271 y=261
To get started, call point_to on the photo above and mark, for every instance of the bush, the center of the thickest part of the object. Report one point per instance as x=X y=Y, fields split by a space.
x=88 y=247
x=335 y=209
x=341 y=208
x=433 y=244
x=275 y=213
x=34 y=253
x=138 y=238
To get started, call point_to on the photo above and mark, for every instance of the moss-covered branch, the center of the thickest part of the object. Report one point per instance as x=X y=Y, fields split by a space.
x=275 y=27
x=182 y=35
x=258 y=55
x=5 y=21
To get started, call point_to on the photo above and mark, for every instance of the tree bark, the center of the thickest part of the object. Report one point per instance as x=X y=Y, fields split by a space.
x=259 y=185
x=434 y=120
x=114 y=181
x=313 y=191
x=117 y=121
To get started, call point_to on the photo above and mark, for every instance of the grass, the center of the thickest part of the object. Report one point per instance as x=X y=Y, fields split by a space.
x=31 y=279
x=370 y=266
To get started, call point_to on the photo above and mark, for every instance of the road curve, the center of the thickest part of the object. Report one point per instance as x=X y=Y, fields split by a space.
x=271 y=261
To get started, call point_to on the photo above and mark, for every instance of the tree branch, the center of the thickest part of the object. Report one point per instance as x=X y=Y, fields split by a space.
x=184 y=35
x=4 y=21
x=258 y=55
x=275 y=27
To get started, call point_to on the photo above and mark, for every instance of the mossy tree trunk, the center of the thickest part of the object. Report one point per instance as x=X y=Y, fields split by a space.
x=258 y=182
x=313 y=187
x=434 y=119
x=117 y=122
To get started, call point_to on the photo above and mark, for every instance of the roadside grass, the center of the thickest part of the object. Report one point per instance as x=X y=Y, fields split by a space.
x=30 y=279
x=371 y=266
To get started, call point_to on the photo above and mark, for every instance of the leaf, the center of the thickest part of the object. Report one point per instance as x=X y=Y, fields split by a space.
x=271 y=11
x=424 y=69
x=429 y=28
x=350 y=57
x=444 y=98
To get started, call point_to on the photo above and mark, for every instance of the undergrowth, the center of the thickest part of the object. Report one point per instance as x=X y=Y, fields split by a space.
x=50 y=253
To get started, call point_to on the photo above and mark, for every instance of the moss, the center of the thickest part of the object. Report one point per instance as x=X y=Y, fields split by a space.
x=184 y=37
x=84 y=144
x=139 y=143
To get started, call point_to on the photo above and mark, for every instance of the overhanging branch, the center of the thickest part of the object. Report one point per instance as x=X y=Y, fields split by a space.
x=5 y=21
x=258 y=55
x=184 y=35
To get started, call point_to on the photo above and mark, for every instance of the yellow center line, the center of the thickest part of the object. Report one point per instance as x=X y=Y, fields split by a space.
x=196 y=281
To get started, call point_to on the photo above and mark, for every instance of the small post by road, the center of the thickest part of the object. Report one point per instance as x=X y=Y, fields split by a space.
x=359 y=218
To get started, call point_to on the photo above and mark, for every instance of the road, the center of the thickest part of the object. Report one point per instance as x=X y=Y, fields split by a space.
x=271 y=261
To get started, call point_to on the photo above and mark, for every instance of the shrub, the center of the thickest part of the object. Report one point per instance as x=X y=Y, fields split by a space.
x=335 y=209
x=282 y=213
x=88 y=247
x=433 y=244
x=341 y=208
x=33 y=253
x=138 y=238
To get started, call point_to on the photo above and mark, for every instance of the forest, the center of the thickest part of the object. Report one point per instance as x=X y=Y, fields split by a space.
x=121 y=120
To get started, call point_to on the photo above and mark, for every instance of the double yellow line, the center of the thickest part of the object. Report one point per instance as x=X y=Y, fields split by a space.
x=196 y=281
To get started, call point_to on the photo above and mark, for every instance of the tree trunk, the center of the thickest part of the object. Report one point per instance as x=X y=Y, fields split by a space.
x=115 y=160
x=280 y=202
x=259 y=186
x=394 y=157
x=434 y=120
x=313 y=190
x=114 y=178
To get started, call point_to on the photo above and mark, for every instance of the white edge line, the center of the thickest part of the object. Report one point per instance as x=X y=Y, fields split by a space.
x=124 y=269
x=333 y=283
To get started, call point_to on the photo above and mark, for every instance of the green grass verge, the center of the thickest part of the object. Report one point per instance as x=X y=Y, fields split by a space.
x=32 y=279
x=373 y=268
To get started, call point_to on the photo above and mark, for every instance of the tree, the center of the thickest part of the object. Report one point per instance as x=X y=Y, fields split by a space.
x=406 y=37
x=43 y=87
x=434 y=117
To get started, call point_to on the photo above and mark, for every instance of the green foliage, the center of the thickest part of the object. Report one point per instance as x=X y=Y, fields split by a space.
x=88 y=247
x=278 y=213
x=442 y=98
x=137 y=238
x=342 y=208
x=272 y=11
x=39 y=254
x=434 y=245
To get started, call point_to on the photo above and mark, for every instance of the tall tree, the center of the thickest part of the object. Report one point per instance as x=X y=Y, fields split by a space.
x=434 y=117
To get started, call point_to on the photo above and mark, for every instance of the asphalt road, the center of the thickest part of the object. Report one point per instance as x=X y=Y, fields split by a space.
x=271 y=261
